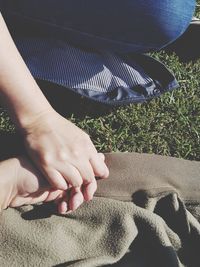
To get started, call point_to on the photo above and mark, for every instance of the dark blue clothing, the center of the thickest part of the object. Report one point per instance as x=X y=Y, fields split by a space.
x=85 y=45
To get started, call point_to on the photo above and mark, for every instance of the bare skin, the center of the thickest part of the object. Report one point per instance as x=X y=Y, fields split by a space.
x=61 y=151
x=22 y=184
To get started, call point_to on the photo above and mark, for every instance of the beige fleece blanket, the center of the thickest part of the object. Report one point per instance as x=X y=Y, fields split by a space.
x=147 y=214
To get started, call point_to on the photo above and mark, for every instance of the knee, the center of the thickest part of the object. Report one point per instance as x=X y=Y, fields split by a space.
x=153 y=25
x=173 y=21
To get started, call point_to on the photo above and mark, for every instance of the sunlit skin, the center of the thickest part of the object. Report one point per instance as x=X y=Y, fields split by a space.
x=63 y=153
x=22 y=184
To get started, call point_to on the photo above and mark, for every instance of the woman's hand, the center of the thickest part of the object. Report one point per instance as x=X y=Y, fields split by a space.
x=64 y=153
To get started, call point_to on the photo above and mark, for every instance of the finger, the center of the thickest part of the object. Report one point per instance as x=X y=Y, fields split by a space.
x=62 y=207
x=62 y=196
x=86 y=171
x=71 y=175
x=76 y=199
x=62 y=202
x=32 y=199
x=56 y=179
x=101 y=155
x=54 y=194
x=99 y=167
x=37 y=199
x=89 y=190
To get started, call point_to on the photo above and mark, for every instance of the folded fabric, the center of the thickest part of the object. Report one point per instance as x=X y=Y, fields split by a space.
x=146 y=214
x=100 y=75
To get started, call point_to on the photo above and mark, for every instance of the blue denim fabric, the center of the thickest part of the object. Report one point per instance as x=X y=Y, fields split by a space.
x=119 y=25
x=83 y=45
x=102 y=76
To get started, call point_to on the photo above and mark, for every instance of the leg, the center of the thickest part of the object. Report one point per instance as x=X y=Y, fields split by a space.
x=123 y=26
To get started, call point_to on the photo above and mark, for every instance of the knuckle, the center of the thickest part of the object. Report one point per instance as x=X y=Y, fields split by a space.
x=62 y=155
x=76 y=152
x=78 y=182
x=76 y=179
x=88 y=180
x=56 y=180
x=58 y=184
x=46 y=159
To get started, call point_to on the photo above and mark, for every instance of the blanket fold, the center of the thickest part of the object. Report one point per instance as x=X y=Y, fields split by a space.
x=147 y=214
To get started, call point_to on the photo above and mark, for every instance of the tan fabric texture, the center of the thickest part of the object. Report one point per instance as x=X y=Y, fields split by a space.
x=146 y=214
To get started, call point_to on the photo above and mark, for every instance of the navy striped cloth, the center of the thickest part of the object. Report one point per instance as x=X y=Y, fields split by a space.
x=103 y=76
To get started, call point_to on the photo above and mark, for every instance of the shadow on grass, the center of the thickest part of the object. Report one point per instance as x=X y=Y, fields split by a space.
x=187 y=47
x=11 y=145
x=66 y=102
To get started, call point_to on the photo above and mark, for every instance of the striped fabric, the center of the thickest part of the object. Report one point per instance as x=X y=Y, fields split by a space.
x=100 y=75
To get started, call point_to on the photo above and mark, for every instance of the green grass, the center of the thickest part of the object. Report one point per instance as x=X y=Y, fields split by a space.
x=169 y=125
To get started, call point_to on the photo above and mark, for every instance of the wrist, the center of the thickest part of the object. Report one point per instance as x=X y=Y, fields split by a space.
x=27 y=122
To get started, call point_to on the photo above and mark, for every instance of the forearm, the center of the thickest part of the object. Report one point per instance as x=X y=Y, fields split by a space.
x=19 y=93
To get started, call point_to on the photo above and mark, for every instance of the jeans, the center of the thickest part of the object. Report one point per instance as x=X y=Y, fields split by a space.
x=121 y=26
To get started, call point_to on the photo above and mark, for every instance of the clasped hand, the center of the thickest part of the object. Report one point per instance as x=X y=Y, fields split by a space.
x=66 y=156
